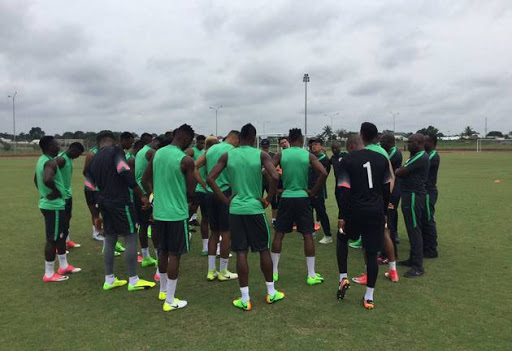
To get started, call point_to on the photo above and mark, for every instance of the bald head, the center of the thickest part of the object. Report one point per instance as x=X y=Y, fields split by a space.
x=416 y=143
x=354 y=143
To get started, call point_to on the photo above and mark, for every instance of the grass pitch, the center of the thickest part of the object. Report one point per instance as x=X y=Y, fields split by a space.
x=463 y=302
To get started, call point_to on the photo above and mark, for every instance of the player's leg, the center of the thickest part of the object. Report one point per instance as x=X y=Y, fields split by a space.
x=372 y=270
x=109 y=244
x=240 y=245
x=324 y=220
x=342 y=257
x=53 y=233
x=95 y=214
x=204 y=205
x=69 y=211
x=144 y=217
x=372 y=229
x=177 y=244
x=429 y=227
x=225 y=246
x=283 y=224
x=64 y=266
x=389 y=250
x=412 y=212
x=192 y=211
x=303 y=217
x=160 y=230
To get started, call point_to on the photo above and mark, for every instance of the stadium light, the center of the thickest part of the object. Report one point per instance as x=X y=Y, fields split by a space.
x=216 y=119
x=13 y=97
x=305 y=79
x=394 y=114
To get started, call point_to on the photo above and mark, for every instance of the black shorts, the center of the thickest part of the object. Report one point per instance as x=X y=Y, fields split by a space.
x=296 y=211
x=118 y=219
x=369 y=227
x=143 y=216
x=54 y=224
x=249 y=231
x=68 y=209
x=173 y=236
x=218 y=213
x=204 y=200
x=90 y=197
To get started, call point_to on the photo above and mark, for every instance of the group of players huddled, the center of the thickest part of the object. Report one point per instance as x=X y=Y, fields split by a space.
x=153 y=187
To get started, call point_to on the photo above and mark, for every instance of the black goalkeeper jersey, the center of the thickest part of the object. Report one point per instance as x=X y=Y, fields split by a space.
x=366 y=174
x=109 y=171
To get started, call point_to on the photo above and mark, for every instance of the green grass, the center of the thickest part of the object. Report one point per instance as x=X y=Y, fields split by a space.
x=463 y=302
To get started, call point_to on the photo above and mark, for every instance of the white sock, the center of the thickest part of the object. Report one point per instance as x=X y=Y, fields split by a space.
x=205 y=244
x=311 y=266
x=68 y=238
x=94 y=231
x=369 y=294
x=63 y=262
x=145 y=252
x=270 y=288
x=343 y=275
x=211 y=263
x=171 y=290
x=245 y=294
x=223 y=266
x=194 y=217
x=134 y=280
x=49 y=268
x=163 y=282
x=218 y=248
x=392 y=265
x=110 y=279
x=275 y=261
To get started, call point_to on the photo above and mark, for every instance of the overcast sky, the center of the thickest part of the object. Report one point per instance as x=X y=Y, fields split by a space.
x=153 y=65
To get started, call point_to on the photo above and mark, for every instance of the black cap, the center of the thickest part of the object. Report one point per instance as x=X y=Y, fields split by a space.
x=265 y=142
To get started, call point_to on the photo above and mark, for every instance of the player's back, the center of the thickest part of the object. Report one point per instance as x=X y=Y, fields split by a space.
x=212 y=157
x=141 y=163
x=365 y=172
x=169 y=185
x=245 y=177
x=295 y=166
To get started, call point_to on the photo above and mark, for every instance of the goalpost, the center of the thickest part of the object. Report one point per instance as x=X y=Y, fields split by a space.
x=493 y=145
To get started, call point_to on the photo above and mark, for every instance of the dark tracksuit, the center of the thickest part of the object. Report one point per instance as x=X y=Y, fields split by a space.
x=318 y=202
x=395 y=157
x=336 y=164
x=430 y=229
x=413 y=204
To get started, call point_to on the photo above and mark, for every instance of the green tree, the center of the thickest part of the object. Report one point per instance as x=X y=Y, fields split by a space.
x=327 y=132
x=36 y=133
x=468 y=131
x=430 y=130
x=495 y=133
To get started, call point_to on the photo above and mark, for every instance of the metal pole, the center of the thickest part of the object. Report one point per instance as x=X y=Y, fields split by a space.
x=13 y=97
x=216 y=123
x=306 y=108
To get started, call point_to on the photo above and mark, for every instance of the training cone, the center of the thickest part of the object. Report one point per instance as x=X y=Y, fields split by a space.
x=497 y=181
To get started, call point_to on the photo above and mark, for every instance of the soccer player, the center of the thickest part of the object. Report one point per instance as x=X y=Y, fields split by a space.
x=337 y=156
x=194 y=152
x=142 y=160
x=365 y=180
x=429 y=229
x=146 y=138
x=97 y=231
x=274 y=203
x=318 y=201
x=204 y=196
x=109 y=171
x=413 y=177
x=65 y=163
x=248 y=222
x=52 y=203
x=284 y=143
x=170 y=175
x=295 y=204
x=218 y=213
x=387 y=141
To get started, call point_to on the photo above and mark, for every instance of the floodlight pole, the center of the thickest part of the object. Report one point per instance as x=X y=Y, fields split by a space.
x=394 y=114
x=305 y=79
x=216 y=118
x=13 y=97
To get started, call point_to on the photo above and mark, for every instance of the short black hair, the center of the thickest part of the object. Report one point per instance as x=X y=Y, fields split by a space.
x=369 y=131
x=433 y=137
x=105 y=134
x=139 y=144
x=295 y=134
x=247 y=131
x=126 y=135
x=45 y=142
x=200 y=137
x=233 y=133
x=282 y=138
x=77 y=145
x=388 y=138
x=186 y=129
x=146 y=138
x=317 y=140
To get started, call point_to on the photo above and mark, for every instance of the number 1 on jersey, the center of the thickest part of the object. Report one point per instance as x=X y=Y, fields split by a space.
x=368 y=167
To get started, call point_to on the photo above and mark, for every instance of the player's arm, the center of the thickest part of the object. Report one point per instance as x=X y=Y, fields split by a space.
x=200 y=162
x=190 y=152
x=277 y=159
x=131 y=164
x=321 y=173
x=147 y=178
x=50 y=168
x=188 y=167
x=214 y=174
x=126 y=173
x=271 y=176
x=88 y=159
x=61 y=161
